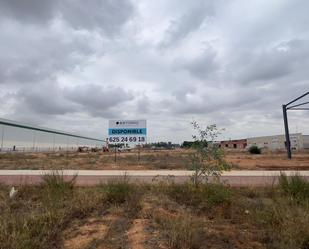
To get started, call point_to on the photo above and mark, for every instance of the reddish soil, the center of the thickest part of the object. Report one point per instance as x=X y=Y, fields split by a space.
x=147 y=160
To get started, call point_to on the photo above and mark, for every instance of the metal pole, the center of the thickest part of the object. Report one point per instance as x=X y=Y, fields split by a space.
x=67 y=143
x=2 y=137
x=115 y=154
x=54 y=142
x=34 y=135
x=287 y=134
x=139 y=154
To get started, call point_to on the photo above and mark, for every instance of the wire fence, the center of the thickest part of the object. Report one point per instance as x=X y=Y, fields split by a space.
x=19 y=137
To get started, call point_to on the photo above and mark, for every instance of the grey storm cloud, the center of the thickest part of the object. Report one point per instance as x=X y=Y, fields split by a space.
x=106 y=15
x=50 y=99
x=97 y=96
x=202 y=66
x=44 y=99
x=227 y=62
x=38 y=56
x=192 y=19
x=277 y=62
x=207 y=101
x=97 y=99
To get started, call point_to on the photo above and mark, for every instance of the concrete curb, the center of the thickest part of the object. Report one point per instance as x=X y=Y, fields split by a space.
x=94 y=177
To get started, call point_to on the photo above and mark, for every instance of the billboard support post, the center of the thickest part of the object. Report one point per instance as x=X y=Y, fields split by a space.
x=139 y=154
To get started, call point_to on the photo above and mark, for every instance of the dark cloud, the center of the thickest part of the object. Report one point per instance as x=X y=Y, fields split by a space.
x=40 y=55
x=49 y=99
x=44 y=99
x=99 y=100
x=106 y=15
x=192 y=19
x=203 y=66
x=277 y=62
x=33 y=11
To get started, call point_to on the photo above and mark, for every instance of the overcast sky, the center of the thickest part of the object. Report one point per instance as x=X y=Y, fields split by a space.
x=73 y=65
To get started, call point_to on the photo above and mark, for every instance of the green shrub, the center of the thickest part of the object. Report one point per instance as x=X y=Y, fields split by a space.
x=55 y=181
x=284 y=225
x=294 y=186
x=254 y=150
x=36 y=230
x=55 y=189
x=121 y=193
x=36 y=217
x=117 y=192
x=205 y=196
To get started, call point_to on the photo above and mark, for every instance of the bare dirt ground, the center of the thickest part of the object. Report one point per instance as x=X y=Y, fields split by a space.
x=151 y=160
x=270 y=161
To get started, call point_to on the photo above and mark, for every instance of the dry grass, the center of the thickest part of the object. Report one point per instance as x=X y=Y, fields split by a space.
x=121 y=215
x=166 y=159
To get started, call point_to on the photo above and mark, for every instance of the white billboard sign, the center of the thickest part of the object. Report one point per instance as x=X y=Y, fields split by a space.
x=127 y=132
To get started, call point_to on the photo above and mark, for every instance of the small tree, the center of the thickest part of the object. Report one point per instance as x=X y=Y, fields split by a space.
x=208 y=158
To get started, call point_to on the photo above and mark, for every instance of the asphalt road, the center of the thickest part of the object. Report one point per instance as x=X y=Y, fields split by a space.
x=94 y=177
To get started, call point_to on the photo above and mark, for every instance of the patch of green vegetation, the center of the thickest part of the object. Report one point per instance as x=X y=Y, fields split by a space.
x=254 y=150
x=36 y=216
x=123 y=193
x=202 y=197
x=284 y=224
x=294 y=186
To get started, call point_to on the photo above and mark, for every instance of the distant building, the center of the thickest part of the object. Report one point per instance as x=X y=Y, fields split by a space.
x=234 y=144
x=278 y=142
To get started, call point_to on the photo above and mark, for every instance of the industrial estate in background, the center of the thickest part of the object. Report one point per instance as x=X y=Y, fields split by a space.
x=16 y=136
x=276 y=142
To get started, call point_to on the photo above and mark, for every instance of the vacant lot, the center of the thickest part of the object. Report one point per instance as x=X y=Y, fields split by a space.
x=166 y=159
x=121 y=215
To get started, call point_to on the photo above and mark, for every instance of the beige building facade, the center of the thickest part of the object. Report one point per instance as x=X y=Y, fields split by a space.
x=277 y=142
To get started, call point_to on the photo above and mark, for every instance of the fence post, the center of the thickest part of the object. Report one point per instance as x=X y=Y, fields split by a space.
x=67 y=143
x=34 y=137
x=53 y=142
x=2 y=137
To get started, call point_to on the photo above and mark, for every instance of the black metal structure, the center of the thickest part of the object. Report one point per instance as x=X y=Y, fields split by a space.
x=285 y=108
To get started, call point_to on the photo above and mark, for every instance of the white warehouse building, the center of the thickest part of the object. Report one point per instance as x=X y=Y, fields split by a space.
x=298 y=142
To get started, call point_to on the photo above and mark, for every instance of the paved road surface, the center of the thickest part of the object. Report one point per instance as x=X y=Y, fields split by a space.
x=93 y=177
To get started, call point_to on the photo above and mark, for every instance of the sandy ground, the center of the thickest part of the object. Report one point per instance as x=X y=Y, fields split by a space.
x=147 y=160
x=271 y=161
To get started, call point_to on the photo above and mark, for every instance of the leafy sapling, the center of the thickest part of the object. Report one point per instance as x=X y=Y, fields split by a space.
x=207 y=160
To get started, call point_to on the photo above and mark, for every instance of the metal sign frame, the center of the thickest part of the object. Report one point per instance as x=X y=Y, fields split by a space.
x=285 y=108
